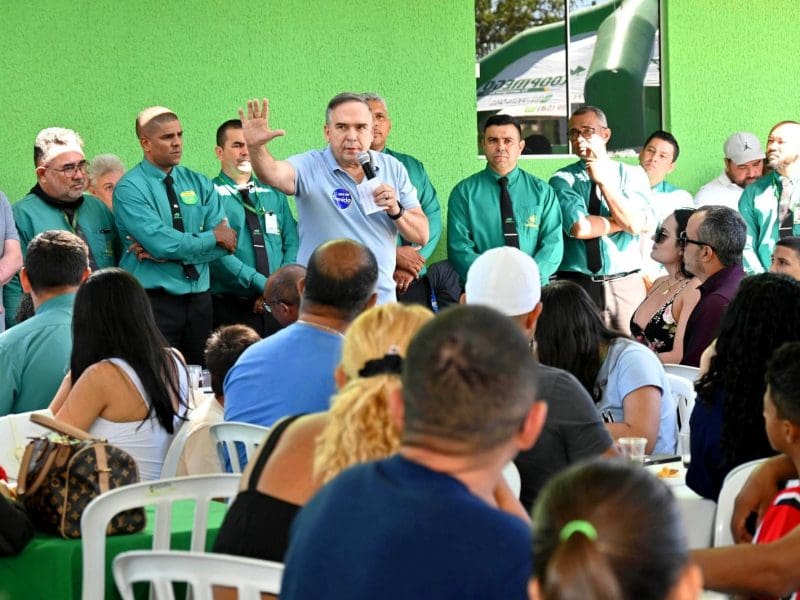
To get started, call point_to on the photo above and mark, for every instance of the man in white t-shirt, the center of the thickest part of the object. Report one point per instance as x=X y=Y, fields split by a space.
x=744 y=163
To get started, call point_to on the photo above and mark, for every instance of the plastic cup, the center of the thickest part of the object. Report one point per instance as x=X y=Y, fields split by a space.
x=685 y=448
x=194 y=375
x=632 y=448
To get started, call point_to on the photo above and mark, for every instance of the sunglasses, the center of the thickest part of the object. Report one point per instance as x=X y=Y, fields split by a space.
x=684 y=239
x=660 y=235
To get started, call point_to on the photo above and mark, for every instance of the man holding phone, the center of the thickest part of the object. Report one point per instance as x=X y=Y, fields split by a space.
x=605 y=204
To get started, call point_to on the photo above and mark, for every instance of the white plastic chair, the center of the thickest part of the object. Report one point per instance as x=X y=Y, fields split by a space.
x=734 y=481
x=685 y=371
x=170 y=466
x=15 y=433
x=200 y=488
x=227 y=434
x=684 y=395
x=201 y=571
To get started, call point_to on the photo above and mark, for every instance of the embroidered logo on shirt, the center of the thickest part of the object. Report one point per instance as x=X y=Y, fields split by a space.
x=189 y=197
x=532 y=221
x=341 y=198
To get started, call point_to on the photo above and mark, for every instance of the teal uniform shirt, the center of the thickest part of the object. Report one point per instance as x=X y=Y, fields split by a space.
x=34 y=357
x=758 y=205
x=619 y=251
x=236 y=273
x=428 y=200
x=143 y=212
x=474 y=224
x=33 y=216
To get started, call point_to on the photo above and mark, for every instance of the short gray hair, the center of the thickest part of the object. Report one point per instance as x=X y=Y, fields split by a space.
x=373 y=97
x=587 y=108
x=343 y=98
x=104 y=163
x=725 y=230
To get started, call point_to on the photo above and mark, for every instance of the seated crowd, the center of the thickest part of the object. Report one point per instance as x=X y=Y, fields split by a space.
x=388 y=425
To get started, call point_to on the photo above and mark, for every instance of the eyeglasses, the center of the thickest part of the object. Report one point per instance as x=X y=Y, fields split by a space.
x=268 y=305
x=70 y=169
x=660 y=235
x=684 y=239
x=585 y=132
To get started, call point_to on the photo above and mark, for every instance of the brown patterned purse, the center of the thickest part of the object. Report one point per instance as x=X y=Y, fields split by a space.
x=59 y=476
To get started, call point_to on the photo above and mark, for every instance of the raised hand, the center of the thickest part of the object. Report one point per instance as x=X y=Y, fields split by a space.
x=255 y=124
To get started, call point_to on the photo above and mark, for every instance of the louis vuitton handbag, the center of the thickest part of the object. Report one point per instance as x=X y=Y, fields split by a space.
x=60 y=475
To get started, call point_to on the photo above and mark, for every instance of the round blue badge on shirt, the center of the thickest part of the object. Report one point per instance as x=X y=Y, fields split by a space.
x=342 y=197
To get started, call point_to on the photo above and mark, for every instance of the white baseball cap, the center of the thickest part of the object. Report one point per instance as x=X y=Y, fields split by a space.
x=743 y=147
x=505 y=279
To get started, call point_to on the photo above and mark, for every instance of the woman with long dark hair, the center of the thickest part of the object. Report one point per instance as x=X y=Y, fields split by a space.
x=625 y=379
x=660 y=320
x=125 y=384
x=727 y=423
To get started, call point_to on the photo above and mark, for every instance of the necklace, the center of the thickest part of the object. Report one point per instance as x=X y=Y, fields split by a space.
x=322 y=327
x=670 y=285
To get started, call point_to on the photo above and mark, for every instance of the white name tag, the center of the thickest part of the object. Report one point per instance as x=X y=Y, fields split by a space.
x=271 y=224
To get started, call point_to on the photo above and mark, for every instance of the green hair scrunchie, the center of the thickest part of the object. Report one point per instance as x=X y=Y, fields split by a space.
x=578 y=526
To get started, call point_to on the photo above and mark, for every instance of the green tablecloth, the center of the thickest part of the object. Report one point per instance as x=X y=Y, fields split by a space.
x=50 y=567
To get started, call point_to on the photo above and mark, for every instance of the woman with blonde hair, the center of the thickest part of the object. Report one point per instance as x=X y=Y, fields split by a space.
x=301 y=453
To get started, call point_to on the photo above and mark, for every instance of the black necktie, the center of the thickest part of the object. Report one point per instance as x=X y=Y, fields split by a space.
x=510 y=234
x=190 y=271
x=593 y=259
x=251 y=218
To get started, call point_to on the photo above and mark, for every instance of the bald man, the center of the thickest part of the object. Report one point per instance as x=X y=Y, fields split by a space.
x=174 y=221
x=770 y=205
x=291 y=372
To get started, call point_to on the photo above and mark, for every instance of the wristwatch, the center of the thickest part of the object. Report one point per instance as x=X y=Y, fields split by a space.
x=399 y=214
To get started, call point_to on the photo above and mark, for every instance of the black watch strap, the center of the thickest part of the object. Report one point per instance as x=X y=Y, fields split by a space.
x=399 y=214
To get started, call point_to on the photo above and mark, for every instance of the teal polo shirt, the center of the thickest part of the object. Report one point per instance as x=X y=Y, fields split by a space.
x=236 y=273
x=33 y=216
x=34 y=357
x=142 y=211
x=758 y=205
x=619 y=251
x=428 y=200
x=474 y=224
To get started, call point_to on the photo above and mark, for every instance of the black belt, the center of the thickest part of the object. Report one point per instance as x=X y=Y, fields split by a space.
x=593 y=278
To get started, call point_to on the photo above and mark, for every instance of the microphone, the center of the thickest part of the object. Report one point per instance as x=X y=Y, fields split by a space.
x=366 y=164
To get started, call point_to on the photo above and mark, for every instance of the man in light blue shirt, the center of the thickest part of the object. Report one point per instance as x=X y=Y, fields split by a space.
x=325 y=183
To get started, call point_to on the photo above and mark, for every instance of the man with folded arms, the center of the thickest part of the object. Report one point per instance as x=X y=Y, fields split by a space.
x=325 y=184
x=426 y=522
x=174 y=220
x=605 y=205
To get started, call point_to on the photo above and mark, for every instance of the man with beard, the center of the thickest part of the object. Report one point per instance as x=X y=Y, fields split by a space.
x=770 y=205
x=267 y=236
x=57 y=201
x=744 y=163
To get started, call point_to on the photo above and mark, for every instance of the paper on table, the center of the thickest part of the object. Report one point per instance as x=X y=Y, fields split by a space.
x=366 y=197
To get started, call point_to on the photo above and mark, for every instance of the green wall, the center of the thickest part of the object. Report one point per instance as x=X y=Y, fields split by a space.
x=92 y=66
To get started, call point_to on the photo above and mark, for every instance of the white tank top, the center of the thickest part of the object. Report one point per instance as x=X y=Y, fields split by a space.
x=147 y=442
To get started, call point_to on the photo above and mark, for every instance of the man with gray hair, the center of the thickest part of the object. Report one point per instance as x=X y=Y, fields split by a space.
x=426 y=523
x=712 y=250
x=771 y=206
x=744 y=163
x=507 y=280
x=335 y=198
x=57 y=201
x=604 y=206
x=105 y=171
x=411 y=259
x=175 y=220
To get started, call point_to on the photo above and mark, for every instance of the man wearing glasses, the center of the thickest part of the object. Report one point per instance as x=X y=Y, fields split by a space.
x=57 y=201
x=712 y=250
x=604 y=206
